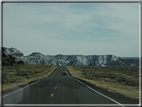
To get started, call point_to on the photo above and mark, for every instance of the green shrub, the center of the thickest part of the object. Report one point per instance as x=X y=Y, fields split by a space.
x=121 y=78
x=29 y=76
x=107 y=79
x=128 y=79
x=8 y=78
x=133 y=82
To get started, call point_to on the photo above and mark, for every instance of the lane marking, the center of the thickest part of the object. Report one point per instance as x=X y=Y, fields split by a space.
x=55 y=87
x=67 y=73
x=26 y=86
x=50 y=74
x=54 y=72
x=20 y=89
x=56 y=84
x=101 y=94
x=52 y=95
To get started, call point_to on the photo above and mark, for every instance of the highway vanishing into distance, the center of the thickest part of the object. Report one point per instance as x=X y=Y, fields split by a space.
x=63 y=89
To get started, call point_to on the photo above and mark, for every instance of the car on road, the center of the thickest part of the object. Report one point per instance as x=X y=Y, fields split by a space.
x=64 y=72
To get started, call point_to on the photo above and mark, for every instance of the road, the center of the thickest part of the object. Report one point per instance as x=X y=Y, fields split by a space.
x=61 y=89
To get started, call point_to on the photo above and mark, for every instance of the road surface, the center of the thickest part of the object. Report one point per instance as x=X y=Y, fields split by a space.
x=62 y=89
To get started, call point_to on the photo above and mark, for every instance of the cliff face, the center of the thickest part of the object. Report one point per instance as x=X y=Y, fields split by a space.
x=77 y=60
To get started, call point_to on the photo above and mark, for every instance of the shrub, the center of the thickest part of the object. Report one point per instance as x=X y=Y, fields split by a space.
x=121 y=78
x=8 y=78
x=107 y=79
x=134 y=82
x=29 y=76
x=128 y=79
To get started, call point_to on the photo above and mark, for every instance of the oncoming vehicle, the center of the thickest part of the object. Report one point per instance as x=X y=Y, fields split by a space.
x=64 y=72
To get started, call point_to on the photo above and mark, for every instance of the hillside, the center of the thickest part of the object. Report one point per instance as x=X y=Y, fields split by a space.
x=9 y=57
x=77 y=60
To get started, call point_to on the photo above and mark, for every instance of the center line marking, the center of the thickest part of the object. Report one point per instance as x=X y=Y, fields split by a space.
x=55 y=87
x=52 y=95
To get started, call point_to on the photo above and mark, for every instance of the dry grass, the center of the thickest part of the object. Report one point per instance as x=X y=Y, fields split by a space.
x=18 y=75
x=106 y=83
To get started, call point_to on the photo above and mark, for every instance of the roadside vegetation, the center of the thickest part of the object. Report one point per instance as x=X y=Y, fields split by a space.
x=13 y=76
x=123 y=80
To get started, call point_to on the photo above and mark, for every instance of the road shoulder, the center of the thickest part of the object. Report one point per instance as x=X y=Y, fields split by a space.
x=97 y=86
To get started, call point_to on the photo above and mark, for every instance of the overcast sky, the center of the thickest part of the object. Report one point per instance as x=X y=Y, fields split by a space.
x=72 y=28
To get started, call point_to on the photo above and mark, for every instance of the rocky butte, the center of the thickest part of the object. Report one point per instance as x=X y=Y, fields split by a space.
x=77 y=60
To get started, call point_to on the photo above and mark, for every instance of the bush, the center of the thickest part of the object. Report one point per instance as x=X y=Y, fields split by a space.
x=23 y=74
x=28 y=77
x=107 y=79
x=128 y=80
x=8 y=78
x=133 y=82
x=20 y=62
x=121 y=78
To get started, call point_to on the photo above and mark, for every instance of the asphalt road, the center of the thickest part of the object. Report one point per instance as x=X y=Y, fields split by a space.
x=62 y=89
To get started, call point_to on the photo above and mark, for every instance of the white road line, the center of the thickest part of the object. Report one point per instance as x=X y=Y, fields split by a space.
x=101 y=94
x=23 y=87
x=50 y=74
x=54 y=72
x=68 y=73
x=20 y=89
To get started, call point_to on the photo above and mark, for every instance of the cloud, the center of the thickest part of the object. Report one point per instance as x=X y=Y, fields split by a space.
x=69 y=28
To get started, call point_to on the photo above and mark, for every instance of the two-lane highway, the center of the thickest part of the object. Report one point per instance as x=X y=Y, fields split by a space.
x=57 y=89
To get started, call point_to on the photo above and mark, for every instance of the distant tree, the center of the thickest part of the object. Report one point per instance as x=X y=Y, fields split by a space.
x=20 y=62
x=9 y=60
x=3 y=54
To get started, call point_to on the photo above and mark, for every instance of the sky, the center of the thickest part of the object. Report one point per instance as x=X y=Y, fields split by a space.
x=72 y=28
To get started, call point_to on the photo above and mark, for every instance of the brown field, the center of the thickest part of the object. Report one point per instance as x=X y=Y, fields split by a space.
x=13 y=76
x=123 y=80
